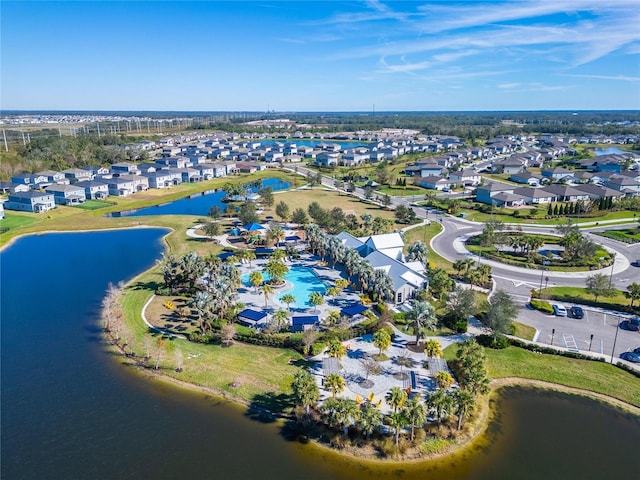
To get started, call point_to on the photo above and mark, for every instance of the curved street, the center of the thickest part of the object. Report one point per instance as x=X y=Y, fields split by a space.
x=598 y=331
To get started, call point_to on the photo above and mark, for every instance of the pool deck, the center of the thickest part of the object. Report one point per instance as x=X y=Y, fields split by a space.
x=251 y=299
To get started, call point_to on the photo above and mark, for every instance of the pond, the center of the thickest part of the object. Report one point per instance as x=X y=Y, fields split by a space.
x=71 y=410
x=608 y=151
x=200 y=203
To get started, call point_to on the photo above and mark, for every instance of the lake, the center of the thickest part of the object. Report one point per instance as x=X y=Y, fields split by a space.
x=608 y=151
x=198 y=204
x=70 y=410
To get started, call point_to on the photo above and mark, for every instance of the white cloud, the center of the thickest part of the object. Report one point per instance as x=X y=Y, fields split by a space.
x=622 y=78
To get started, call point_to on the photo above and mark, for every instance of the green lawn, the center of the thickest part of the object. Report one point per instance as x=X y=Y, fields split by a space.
x=95 y=204
x=627 y=235
x=13 y=221
x=523 y=331
x=261 y=374
x=477 y=216
x=594 y=376
x=581 y=295
x=425 y=234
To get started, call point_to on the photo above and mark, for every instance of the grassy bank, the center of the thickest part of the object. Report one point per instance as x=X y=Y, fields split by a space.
x=425 y=234
x=257 y=375
x=594 y=376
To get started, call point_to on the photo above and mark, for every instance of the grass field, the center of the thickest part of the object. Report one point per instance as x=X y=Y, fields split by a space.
x=628 y=235
x=524 y=331
x=15 y=221
x=259 y=374
x=95 y=204
x=425 y=234
x=477 y=216
x=329 y=199
x=594 y=376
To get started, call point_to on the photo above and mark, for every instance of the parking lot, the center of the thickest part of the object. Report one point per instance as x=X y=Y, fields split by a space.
x=570 y=332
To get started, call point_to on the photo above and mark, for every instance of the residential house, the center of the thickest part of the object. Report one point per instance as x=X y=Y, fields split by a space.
x=190 y=175
x=557 y=174
x=327 y=158
x=506 y=199
x=273 y=156
x=31 y=201
x=149 y=167
x=466 y=178
x=405 y=280
x=53 y=176
x=96 y=170
x=596 y=192
x=566 y=193
x=355 y=156
x=125 y=185
x=533 y=196
x=124 y=168
x=434 y=183
x=67 y=194
x=23 y=178
x=526 y=178
x=2 y=214
x=508 y=166
x=163 y=178
x=97 y=189
x=76 y=175
x=485 y=193
x=629 y=186
x=11 y=187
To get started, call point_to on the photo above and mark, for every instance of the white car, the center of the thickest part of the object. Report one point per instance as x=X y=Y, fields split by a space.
x=559 y=310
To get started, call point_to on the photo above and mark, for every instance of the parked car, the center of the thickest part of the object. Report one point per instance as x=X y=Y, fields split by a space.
x=559 y=310
x=632 y=324
x=576 y=312
x=632 y=357
x=636 y=350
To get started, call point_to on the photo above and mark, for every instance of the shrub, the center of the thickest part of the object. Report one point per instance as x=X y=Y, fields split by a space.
x=461 y=326
x=317 y=348
x=163 y=291
x=541 y=305
x=498 y=342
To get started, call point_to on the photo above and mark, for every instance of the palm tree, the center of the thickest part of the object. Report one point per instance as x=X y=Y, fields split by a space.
x=345 y=412
x=396 y=420
x=276 y=233
x=334 y=383
x=381 y=286
x=315 y=299
x=305 y=390
x=255 y=279
x=337 y=350
x=279 y=320
x=396 y=397
x=484 y=271
x=203 y=303
x=465 y=403
x=369 y=419
x=288 y=299
x=249 y=255
x=432 y=348
x=459 y=265
x=266 y=290
x=440 y=403
x=350 y=260
x=416 y=413
x=276 y=269
x=633 y=292
x=417 y=251
x=423 y=317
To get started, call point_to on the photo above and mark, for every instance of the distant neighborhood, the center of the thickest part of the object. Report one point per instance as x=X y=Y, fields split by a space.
x=448 y=163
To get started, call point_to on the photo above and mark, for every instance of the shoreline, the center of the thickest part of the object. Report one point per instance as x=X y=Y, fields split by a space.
x=480 y=423
x=13 y=239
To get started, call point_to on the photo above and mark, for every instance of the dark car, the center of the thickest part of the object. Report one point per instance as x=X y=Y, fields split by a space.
x=636 y=350
x=631 y=357
x=633 y=324
x=576 y=312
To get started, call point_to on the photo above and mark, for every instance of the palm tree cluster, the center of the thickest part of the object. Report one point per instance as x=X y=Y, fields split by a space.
x=375 y=282
x=212 y=283
x=335 y=221
x=470 y=272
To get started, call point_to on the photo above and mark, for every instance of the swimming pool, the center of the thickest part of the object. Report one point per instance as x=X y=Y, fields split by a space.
x=302 y=280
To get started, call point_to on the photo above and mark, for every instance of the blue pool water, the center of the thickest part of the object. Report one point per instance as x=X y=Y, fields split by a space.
x=198 y=204
x=303 y=280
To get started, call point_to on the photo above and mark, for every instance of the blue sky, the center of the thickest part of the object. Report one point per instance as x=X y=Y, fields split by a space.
x=321 y=56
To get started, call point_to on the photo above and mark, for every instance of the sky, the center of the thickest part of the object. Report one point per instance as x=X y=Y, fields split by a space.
x=377 y=55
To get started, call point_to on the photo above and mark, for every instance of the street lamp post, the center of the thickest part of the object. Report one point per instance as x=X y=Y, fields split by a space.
x=544 y=264
x=553 y=332
x=613 y=254
x=591 y=342
x=615 y=339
